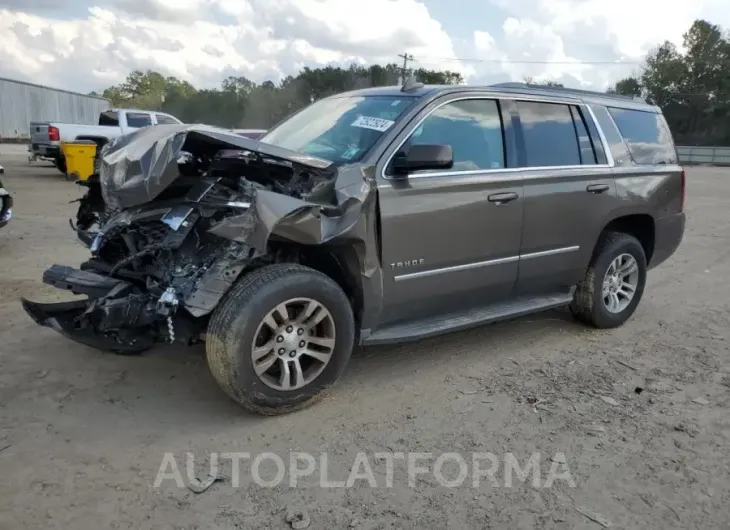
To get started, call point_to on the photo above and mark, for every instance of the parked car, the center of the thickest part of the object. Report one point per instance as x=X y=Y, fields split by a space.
x=6 y=204
x=46 y=137
x=376 y=216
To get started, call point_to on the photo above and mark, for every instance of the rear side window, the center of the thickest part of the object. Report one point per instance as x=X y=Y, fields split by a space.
x=138 y=119
x=473 y=129
x=550 y=134
x=646 y=135
x=109 y=118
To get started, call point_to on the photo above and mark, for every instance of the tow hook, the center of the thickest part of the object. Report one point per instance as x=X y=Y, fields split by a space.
x=167 y=306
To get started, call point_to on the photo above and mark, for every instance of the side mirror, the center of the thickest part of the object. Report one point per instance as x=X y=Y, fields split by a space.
x=421 y=157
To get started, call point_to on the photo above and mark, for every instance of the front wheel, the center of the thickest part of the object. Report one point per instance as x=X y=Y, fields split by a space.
x=281 y=338
x=613 y=284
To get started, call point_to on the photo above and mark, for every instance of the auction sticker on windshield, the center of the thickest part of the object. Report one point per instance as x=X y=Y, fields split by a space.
x=376 y=124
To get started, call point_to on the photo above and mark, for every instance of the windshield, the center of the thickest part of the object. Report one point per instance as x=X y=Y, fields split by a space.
x=339 y=129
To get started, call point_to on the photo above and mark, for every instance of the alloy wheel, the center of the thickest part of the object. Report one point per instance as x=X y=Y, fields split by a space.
x=293 y=344
x=620 y=283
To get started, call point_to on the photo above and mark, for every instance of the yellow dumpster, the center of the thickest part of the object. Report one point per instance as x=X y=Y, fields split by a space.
x=79 y=159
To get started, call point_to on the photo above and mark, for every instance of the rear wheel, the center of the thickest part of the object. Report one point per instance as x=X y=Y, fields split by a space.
x=281 y=338
x=613 y=284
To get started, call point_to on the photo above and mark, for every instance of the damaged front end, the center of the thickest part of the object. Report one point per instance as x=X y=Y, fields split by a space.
x=174 y=217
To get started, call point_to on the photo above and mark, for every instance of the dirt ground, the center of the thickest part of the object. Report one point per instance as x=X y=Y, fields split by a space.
x=641 y=413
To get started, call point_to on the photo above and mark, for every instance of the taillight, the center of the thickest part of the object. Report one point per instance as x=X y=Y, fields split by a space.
x=53 y=134
x=684 y=189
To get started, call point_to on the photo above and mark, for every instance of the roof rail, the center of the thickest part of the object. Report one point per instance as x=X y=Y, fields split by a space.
x=575 y=91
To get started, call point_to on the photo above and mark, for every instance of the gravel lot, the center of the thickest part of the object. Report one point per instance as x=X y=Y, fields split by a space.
x=641 y=413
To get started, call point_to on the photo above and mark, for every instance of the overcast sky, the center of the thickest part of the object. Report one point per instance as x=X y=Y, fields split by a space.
x=88 y=45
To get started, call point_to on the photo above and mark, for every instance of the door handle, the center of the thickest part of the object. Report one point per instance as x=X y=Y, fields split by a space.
x=597 y=188
x=503 y=198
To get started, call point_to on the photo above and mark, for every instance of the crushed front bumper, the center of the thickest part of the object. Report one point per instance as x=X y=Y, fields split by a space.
x=116 y=316
x=65 y=317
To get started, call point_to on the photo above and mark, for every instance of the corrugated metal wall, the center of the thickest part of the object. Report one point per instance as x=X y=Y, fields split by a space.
x=22 y=103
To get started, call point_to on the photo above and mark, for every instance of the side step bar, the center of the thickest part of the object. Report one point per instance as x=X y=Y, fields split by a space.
x=432 y=327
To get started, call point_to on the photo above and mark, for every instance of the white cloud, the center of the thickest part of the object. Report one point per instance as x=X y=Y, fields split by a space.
x=484 y=42
x=570 y=31
x=636 y=25
x=60 y=44
x=260 y=39
x=529 y=50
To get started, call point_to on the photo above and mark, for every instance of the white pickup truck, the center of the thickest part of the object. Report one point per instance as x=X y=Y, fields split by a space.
x=46 y=137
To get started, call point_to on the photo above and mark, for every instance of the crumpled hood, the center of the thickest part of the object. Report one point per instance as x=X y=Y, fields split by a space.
x=339 y=204
x=137 y=167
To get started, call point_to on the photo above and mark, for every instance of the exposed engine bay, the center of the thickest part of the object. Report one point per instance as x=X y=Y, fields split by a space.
x=175 y=215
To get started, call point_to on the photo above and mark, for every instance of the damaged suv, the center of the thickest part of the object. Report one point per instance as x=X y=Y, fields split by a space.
x=374 y=216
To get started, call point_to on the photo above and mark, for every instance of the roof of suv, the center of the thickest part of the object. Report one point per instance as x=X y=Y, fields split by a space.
x=432 y=91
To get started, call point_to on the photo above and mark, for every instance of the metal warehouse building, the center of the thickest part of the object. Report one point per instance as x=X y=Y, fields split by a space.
x=22 y=103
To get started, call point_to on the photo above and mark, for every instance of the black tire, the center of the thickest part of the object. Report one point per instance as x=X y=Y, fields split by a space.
x=234 y=323
x=588 y=306
x=61 y=164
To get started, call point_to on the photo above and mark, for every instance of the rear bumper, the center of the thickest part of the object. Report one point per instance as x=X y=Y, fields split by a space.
x=45 y=150
x=669 y=232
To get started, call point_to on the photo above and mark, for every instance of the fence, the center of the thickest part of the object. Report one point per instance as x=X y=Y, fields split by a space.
x=717 y=156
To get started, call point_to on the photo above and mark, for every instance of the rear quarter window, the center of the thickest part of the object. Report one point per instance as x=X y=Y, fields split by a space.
x=646 y=135
x=109 y=118
x=164 y=119
x=138 y=119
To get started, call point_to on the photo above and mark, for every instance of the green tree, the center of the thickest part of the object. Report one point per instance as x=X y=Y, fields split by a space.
x=692 y=85
x=241 y=103
x=433 y=77
x=529 y=80
x=629 y=86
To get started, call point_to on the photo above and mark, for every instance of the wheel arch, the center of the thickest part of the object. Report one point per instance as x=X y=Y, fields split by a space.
x=342 y=265
x=639 y=225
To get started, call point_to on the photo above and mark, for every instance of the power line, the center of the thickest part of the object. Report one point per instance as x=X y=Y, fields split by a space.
x=527 y=61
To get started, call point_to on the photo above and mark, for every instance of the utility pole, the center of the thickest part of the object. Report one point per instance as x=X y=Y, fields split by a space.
x=406 y=58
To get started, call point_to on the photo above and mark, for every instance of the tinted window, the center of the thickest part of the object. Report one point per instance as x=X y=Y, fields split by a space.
x=647 y=136
x=109 y=118
x=138 y=119
x=473 y=129
x=164 y=119
x=585 y=145
x=616 y=144
x=549 y=132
